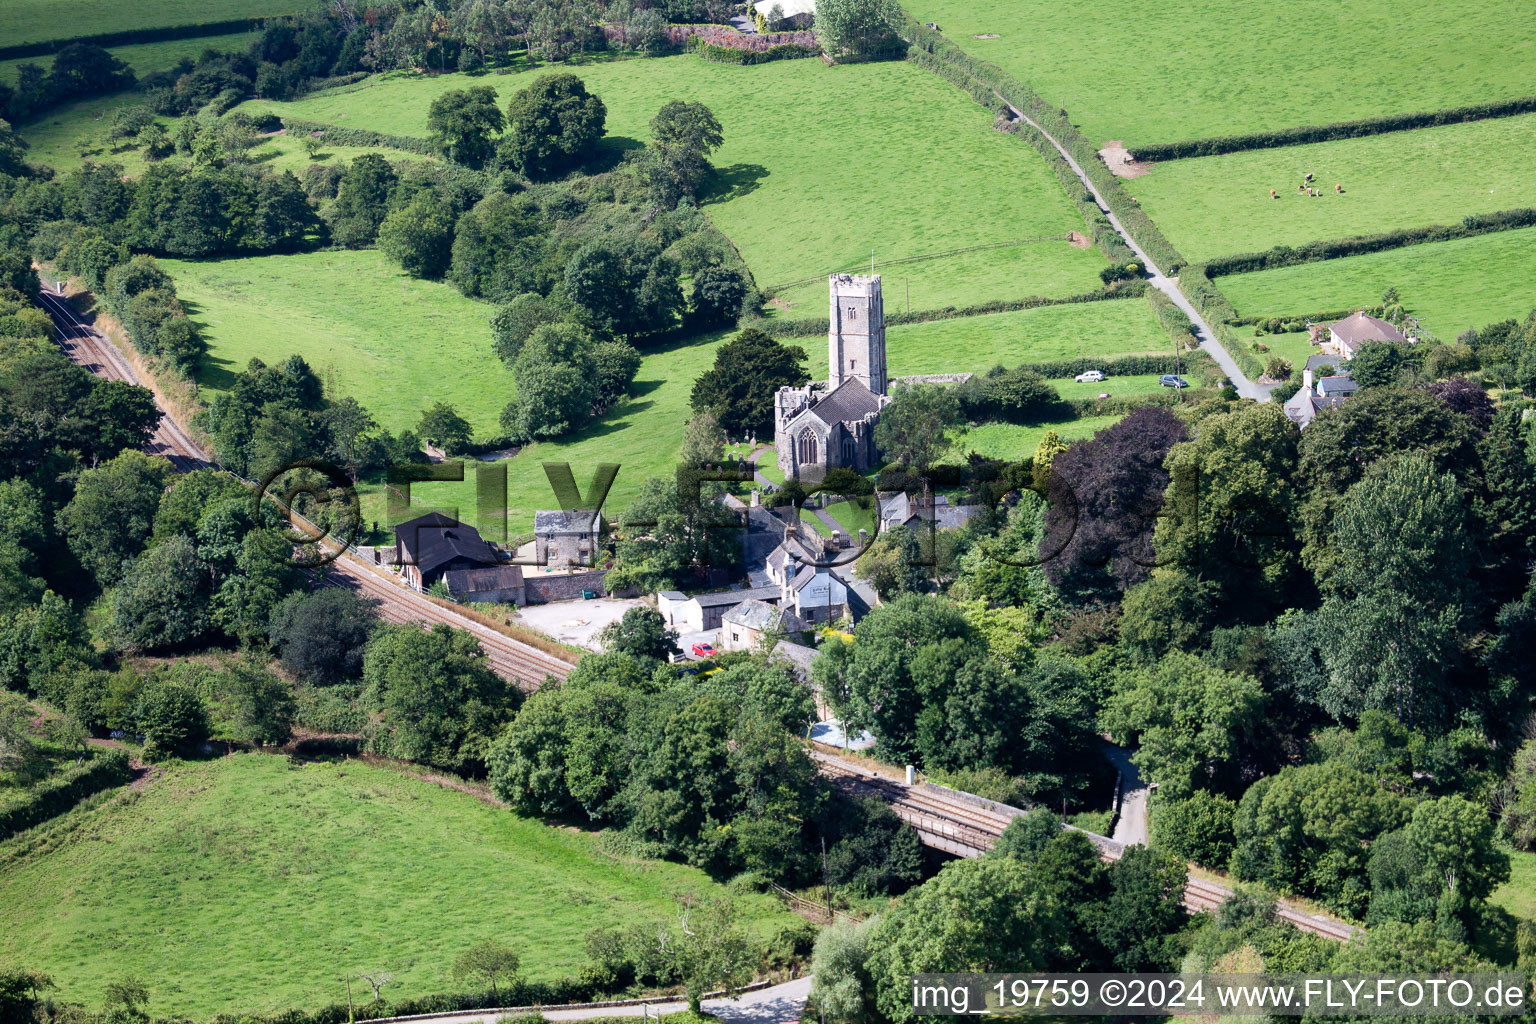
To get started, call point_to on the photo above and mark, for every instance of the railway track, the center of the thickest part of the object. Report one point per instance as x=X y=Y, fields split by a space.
x=523 y=664
x=952 y=823
x=86 y=345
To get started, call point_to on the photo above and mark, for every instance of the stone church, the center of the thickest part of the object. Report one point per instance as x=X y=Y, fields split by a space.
x=831 y=424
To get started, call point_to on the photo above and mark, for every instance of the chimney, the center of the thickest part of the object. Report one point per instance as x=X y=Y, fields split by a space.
x=1306 y=379
x=757 y=498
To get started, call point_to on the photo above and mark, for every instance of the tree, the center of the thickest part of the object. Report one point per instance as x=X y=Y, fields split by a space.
x=683 y=135
x=362 y=200
x=439 y=703
x=1308 y=829
x=713 y=951
x=1197 y=727
x=260 y=706
x=1456 y=842
x=552 y=126
x=873 y=852
x=461 y=122
x=718 y=295
x=739 y=389
x=1050 y=446
x=624 y=285
x=1402 y=554
x=703 y=440
x=841 y=986
x=767 y=689
x=172 y=718
x=162 y=601
x=987 y=914
x=490 y=962
x=640 y=633
x=1105 y=495
x=501 y=249
x=108 y=520
x=1144 y=908
x=852 y=26
x=443 y=426
x=911 y=428
x=419 y=235
x=321 y=635
x=1196 y=828
x=557 y=383
x=514 y=323
x=130 y=993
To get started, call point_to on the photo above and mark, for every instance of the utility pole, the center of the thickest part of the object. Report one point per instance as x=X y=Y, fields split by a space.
x=349 y=999
x=909 y=296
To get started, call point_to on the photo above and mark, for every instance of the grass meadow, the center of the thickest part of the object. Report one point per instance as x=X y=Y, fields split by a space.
x=819 y=167
x=1466 y=282
x=395 y=343
x=1220 y=205
x=249 y=885
x=1012 y=441
x=1113 y=327
x=147 y=57
x=67 y=136
x=642 y=433
x=33 y=21
x=1518 y=895
x=1165 y=71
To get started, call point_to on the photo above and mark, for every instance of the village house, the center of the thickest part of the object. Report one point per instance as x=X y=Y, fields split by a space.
x=703 y=612
x=566 y=538
x=1314 y=397
x=1346 y=337
x=744 y=625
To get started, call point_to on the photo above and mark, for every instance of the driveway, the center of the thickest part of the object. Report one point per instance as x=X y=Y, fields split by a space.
x=779 y=1004
x=576 y=622
x=1131 y=828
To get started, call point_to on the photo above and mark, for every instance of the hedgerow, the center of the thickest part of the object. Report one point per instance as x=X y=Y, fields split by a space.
x=1289 y=256
x=1331 y=132
x=340 y=136
x=55 y=796
x=812 y=326
x=135 y=35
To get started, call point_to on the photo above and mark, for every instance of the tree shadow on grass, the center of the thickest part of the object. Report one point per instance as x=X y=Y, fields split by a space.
x=733 y=182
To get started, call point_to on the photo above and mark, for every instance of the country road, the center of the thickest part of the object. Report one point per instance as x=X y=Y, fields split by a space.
x=778 y=1004
x=524 y=664
x=1155 y=277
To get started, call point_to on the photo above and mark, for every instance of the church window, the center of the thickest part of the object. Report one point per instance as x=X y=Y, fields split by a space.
x=808 y=448
x=848 y=452
x=853 y=314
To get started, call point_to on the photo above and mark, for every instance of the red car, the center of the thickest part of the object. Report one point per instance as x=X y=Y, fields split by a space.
x=703 y=651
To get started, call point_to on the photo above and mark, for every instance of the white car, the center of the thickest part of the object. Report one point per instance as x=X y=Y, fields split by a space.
x=1090 y=377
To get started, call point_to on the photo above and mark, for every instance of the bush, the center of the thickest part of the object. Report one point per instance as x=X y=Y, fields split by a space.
x=1198 y=828
x=172 y=718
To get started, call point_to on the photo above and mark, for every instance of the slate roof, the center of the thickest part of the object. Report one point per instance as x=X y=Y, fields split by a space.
x=434 y=540
x=849 y=401
x=1321 y=359
x=1337 y=385
x=752 y=614
x=734 y=597
x=492 y=577
x=1359 y=328
x=573 y=521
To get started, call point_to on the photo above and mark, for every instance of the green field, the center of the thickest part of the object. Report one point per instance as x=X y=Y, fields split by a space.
x=394 y=343
x=244 y=885
x=1518 y=895
x=1466 y=282
x=1169 y=71
x=1220 y=205
x=1111 y=328
x=1009 y=441
x=819 y=167
x=66 y=137
x=32 y=21
x=642 y=433
x=147 y=57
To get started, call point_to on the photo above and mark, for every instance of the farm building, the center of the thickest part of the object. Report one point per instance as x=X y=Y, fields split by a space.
x=432 y=546
x=706 y=611
x=744 y=625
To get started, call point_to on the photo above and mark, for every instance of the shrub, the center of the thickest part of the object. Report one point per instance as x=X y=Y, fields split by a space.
x=1198 y=828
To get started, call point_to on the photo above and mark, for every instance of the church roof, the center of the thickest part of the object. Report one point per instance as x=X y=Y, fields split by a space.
x=850 y=401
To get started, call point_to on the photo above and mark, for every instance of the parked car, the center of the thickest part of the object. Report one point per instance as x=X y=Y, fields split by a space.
x=1090 y=377
x=703 y=650
x=1169 y=380
x=677 y=657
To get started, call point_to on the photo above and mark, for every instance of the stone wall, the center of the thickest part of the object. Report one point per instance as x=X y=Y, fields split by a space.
x=542 y=589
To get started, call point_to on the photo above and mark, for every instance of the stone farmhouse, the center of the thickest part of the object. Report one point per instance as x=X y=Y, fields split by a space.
x=568 y=538
x=831 y=424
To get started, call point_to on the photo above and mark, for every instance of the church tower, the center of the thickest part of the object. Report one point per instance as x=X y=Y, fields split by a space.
x=856 y=340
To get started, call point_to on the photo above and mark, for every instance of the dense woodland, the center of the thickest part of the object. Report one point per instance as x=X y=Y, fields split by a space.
x=1318 y=644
